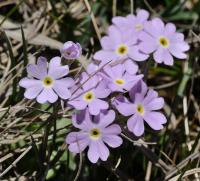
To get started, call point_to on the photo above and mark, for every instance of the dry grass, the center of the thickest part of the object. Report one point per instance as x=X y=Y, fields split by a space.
x=32 y=136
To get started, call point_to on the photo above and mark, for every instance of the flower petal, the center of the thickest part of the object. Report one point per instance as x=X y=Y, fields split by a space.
x=136 y=55
x=155 y=104
x=42 y=65
x=140 y=87
x=59 y=72
x=148 y=44
x=27 y=82
x=102 y=90
x=96 y=105
x=34 y=71
x=107 y=43
x=93 y=153
x=105 y=56
x=170 y=29
x=151 y=95
x=61 y=87
x=119 y=21
x=142 y=15
x=126 y=109
x=55 y=62
x=178 y=49
x=32 y=92
x=113 y=141
x=163 y=55
x=106 y=119
x=130 y=66
x=115 y=35
x=157 y=26
x=78 y=104
x=131 y=80
x=136 y=125
x=82 y=120
x=47 y=95
x=56 y=70
x=77 y=141
x=113 y=129
x=155 y=120
x=103 y=150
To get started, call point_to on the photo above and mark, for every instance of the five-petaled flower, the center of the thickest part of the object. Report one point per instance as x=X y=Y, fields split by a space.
x=89 y=94
x=95 y=132
x=164 y=41
x=118 y=79
x=142 y=107
x=45 y=81
x=120 y=46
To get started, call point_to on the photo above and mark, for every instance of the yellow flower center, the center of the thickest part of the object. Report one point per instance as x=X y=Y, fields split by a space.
x=119 y=81
x=48 y=82
x=138 y=27
x=163 y=41
x=88 y=96
x=122 y=49
x=95 y=134
x=140 y=109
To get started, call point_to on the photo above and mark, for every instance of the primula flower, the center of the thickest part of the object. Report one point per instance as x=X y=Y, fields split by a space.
x=95 y=132
x=45 y=81
x=132 y=22
x=144 y=106
x=71 y=50
x=164 y=41
x=118 y=46
x=118 y=79
x=90 y=94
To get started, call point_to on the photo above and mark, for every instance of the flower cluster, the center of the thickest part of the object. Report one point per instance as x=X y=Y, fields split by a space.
x=113 y=86
x=135 y=38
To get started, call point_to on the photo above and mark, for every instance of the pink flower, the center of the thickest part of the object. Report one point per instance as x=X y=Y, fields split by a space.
x=45 y=81
x=163 y=41
x=96 y=133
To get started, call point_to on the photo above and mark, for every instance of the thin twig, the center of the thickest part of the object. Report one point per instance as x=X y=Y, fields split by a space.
x=93 y=19
x=131 y=6
x=114 y=8
x=149 y=7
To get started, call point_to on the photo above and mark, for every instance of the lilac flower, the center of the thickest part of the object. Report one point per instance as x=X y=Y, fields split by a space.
x=132 y=22
x=118 y=46
x=95 y=132
x=71 y=50
x=90 y=94
x=164 y=41
x=118 y=79
x=143 y=106
x=45 y=81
